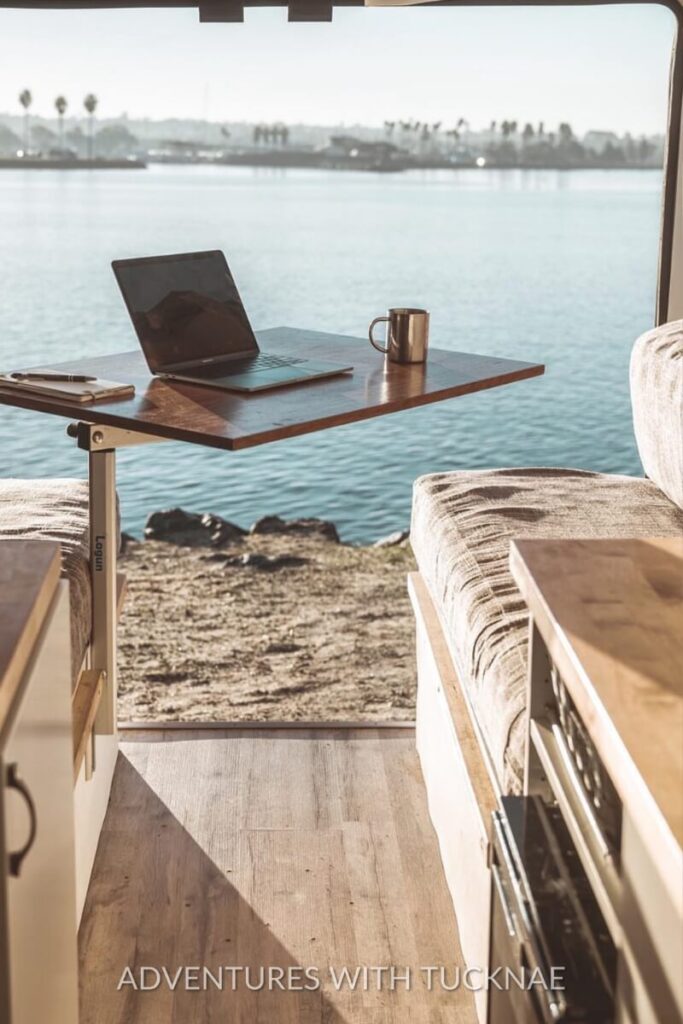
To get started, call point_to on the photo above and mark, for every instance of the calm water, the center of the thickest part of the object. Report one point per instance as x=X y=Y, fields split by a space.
x=546 y=266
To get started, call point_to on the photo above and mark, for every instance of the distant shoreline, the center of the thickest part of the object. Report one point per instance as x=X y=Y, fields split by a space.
x=321 y=162
x=48 y=164
x=289 y=164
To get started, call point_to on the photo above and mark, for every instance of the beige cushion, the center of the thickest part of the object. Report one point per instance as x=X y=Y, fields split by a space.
x=657 y=402
x=56 y=510
x=462 y=525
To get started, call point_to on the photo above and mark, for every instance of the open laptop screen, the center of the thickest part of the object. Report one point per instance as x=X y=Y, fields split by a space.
x=184 y=308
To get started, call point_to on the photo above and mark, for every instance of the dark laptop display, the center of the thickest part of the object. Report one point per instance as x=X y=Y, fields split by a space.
x=192 y=326
x=185 y=309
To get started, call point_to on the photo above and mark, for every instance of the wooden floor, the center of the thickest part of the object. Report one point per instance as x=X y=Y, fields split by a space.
x=284 y=848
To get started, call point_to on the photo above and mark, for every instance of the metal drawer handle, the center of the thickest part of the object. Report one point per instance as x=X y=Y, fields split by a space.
x=16 y=858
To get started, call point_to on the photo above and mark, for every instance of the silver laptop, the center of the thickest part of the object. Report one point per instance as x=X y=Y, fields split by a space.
x=192 y=326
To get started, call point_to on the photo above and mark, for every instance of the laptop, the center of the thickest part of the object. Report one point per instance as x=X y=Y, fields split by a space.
x=192 y=326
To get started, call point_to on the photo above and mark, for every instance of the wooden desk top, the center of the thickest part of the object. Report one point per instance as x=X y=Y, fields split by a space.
x=29 y=574
x=224 y=419
x=611 y=614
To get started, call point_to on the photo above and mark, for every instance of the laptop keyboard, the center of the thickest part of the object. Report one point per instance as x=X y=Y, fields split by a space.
x=250 y=364
x=265 y=362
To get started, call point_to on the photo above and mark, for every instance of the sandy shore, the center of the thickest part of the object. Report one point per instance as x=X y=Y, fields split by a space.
x=329 y=636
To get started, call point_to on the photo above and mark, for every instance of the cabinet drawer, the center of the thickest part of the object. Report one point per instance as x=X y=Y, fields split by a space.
x=41 y=965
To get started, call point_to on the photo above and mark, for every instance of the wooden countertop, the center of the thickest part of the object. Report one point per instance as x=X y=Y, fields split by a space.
x=611 y=614
x=230 y=420
x=29 y=574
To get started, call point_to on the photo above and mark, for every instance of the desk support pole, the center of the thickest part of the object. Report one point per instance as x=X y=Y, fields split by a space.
x=100 y=442
x=103 y=554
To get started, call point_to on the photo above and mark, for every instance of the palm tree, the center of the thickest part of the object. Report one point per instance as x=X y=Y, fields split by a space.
x=26 y=100
x=60 y=107
x=90 y=104
x=436 y=142
x=453 y=134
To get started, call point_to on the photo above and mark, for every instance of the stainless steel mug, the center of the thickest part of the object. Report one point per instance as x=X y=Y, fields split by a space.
x=407 y=335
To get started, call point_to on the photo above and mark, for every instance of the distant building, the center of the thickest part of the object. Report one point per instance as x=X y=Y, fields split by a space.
x=352 y=147
x=350 y=152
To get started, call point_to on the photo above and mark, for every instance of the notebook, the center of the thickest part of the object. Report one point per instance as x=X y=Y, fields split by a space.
x=92 y=391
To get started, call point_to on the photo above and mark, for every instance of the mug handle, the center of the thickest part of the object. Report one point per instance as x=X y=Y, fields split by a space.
x=378 y=320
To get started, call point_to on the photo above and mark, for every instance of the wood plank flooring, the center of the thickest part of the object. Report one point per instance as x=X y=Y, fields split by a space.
x=287 y=849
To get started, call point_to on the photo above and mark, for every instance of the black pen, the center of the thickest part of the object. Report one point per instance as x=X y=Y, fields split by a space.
x=72 y=378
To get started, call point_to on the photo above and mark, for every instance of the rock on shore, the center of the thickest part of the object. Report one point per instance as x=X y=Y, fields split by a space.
x=282 y=622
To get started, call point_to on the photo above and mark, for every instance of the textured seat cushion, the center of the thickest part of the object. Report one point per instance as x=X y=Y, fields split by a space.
x=462 y=526
x=657 y=402
x=56 y=510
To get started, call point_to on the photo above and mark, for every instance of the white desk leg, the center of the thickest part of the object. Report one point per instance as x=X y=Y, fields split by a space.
x=103 y=554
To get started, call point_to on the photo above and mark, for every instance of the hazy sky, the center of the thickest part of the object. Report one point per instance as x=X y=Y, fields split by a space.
x=595 y=67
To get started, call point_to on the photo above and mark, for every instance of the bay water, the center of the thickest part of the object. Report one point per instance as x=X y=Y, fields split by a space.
x=554 y=267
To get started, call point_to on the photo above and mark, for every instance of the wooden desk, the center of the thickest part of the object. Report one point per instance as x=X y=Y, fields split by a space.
x=607 y=616
x=170 y=410
x=225 y=419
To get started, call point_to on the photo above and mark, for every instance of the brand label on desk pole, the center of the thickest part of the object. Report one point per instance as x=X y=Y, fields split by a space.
x=99 y=552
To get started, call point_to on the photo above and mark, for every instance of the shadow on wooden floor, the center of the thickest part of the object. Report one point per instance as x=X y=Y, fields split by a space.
x=266 y=852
